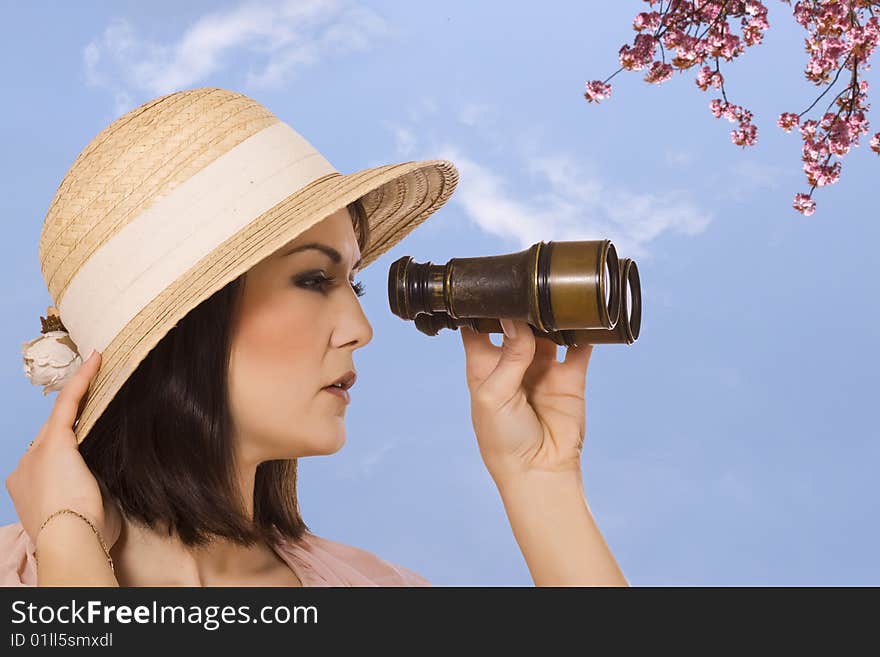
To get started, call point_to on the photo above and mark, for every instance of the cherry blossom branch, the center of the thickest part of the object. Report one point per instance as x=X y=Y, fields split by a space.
x=836 y=28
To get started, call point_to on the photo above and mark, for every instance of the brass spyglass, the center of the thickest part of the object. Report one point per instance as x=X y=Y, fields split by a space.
x=569 y=291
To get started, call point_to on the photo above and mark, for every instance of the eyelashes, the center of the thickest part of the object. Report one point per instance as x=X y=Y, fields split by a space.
x=360 y=289
x=321 y=282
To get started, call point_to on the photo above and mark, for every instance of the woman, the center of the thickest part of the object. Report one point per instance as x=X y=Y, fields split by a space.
x=188 y=475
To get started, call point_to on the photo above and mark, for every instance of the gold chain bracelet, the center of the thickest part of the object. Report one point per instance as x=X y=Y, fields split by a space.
x=94 y=529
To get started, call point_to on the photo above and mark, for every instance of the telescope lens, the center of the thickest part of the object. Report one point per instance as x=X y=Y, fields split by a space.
x=607 y=285
x=635 y=284
x=629 y=303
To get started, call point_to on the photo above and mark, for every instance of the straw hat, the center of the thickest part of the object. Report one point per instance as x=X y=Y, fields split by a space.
x=174 y=200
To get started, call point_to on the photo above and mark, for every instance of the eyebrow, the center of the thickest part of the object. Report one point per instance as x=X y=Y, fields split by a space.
x=334 y=255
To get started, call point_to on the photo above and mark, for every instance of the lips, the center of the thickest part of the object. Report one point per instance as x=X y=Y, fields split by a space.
x=347 y=380
x=338 y=392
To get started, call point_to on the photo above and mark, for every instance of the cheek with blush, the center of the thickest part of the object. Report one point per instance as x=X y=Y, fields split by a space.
x=277 y=368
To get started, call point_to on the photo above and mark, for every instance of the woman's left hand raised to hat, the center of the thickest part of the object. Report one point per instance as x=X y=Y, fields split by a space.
x=528 y=412
x=53 y=475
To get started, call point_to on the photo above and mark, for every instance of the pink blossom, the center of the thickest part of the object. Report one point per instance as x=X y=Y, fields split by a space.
x=820 y=175
x=858 y=125
x=640 y=55
x=835 y=48
x=646 y=21
x=755 y=8
x=659 y=73
x=707 y=77
x=745 y=136
x=804 y=204
x=689 y=51
x=813 y=150
x=808 y=128
x=597 y=90
x=839 y=138
x=787 y=121
x=828 y=119
x=841 y=38
x=736 y=113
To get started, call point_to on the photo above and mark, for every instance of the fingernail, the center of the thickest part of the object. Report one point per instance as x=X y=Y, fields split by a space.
x=509 y=328
x=92 y=355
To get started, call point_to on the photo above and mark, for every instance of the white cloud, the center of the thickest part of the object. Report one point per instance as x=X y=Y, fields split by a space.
x=274 y=39
x=571 y=205
x=404 y=139
x=567 y=198
x=417 y=111
x=471 y=114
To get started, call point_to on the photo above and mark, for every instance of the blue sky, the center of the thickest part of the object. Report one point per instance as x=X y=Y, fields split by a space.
x=733 y=444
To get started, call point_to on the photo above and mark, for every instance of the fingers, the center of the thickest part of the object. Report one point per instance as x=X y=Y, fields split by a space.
x=516 y=356
x=543 y=363
x=577 y=359
x=545 y=349
x=475 y=342
x=480 y=355
x=67 y=403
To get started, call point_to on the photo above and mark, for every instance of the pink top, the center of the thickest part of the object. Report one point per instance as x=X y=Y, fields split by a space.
x=316 y=561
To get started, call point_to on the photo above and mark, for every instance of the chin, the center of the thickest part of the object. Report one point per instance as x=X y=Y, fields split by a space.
x=326 y=444
x=334 y=446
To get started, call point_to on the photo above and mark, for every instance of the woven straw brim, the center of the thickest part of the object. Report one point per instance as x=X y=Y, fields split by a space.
x=397 y=198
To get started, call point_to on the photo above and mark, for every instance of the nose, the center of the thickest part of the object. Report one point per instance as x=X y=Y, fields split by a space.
x=367 y=331
x=353 y=326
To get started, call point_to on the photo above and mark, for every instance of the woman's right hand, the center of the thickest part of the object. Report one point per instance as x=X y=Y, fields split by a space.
x=53 y=475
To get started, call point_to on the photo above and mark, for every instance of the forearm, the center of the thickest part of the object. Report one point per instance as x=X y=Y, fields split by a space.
x=69 y=554
x=556 y=532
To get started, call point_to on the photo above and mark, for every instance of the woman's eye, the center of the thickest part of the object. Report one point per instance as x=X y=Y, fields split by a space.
x=320 y=283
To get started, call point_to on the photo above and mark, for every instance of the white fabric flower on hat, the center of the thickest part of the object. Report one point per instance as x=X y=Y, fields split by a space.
x=50 y=360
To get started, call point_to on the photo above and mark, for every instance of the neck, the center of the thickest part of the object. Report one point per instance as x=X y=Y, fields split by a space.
x=148 y=557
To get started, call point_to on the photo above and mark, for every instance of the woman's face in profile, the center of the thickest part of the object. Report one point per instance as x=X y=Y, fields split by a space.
x=295 y=334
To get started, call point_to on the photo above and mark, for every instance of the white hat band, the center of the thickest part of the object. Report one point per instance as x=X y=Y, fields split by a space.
x=165 y=240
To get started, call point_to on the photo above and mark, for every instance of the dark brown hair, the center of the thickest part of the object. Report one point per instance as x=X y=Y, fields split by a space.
x=163 y=446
